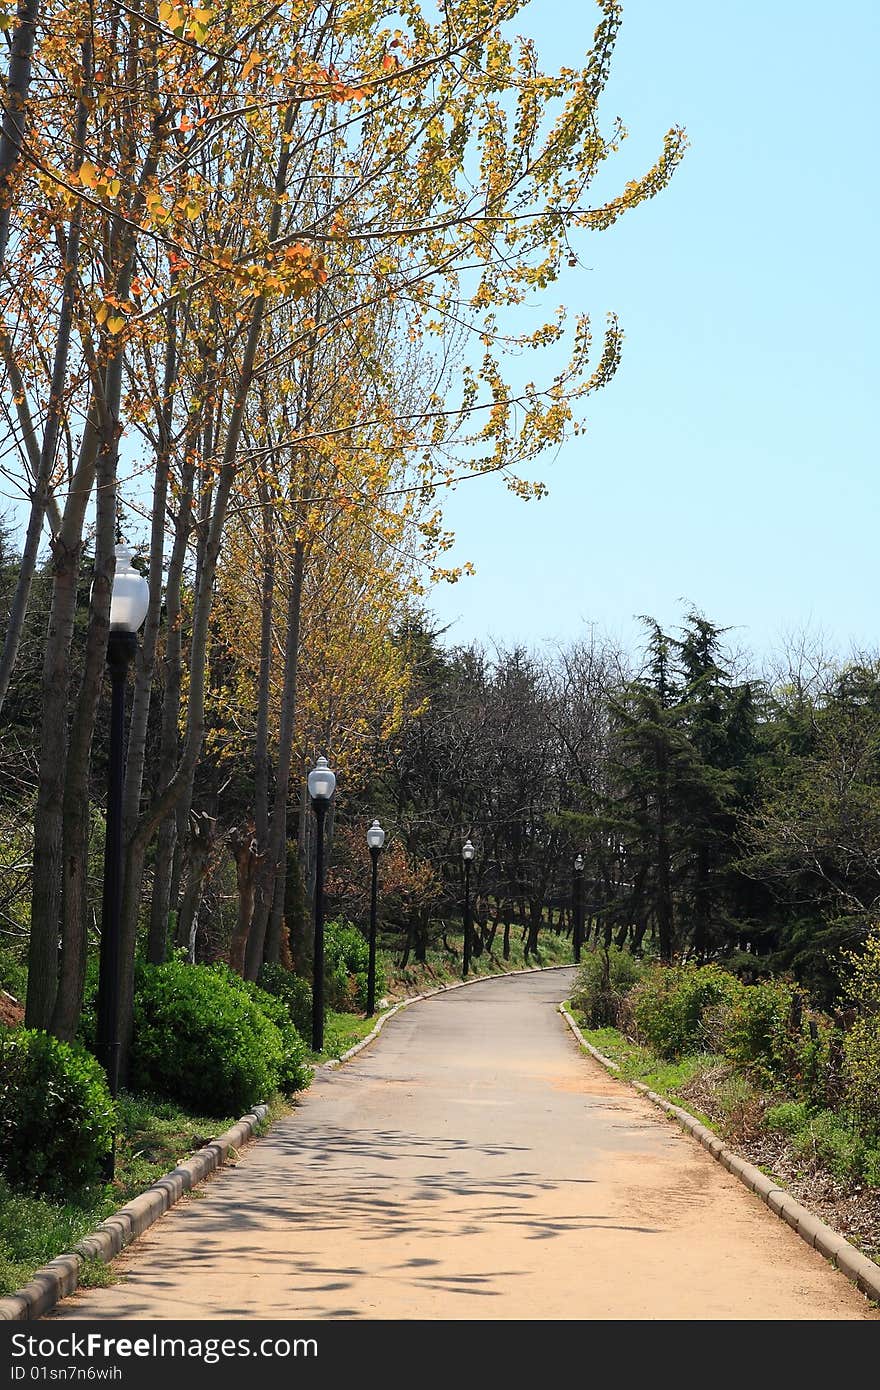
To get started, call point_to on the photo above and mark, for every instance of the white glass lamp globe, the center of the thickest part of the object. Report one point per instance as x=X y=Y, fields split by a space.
x=375 y=836
x=322 y=781
x=467 y=851
x=130 y=597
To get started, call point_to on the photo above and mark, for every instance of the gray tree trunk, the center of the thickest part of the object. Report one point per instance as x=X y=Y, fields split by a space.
x=14 y=126
x=46 y=896
x=76 y=812
x=164 y=898
x=274 y=867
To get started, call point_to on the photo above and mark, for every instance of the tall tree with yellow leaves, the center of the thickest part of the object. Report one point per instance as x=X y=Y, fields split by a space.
x=232 y=164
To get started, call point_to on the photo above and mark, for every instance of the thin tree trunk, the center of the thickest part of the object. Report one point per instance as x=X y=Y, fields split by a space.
x=48 y=823
x=421 y=936
x=146 y=659
x=275 y=929
x=299 y=943
x=166 y=881
x=535 y=906
x=76 y=810
x=664 y=885
x=261 y=753
x=274 y=864
x=14 y=126
x=244 y=850
x=201 y=843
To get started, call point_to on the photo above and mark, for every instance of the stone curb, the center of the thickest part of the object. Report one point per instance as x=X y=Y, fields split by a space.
x=429 y=994
x=861 y=1271
x=587 y=1046
x=60 y=1276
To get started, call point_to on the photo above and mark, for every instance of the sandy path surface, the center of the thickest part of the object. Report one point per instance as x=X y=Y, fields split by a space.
x=472 y=1163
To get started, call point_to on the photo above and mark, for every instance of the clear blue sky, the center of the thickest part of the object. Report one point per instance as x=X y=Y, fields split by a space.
x=733 y=460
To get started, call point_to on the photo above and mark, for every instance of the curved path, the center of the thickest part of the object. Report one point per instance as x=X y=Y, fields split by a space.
x=472 y=1163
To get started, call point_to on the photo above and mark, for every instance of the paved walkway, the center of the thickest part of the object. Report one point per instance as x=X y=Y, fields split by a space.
x=472 y=1163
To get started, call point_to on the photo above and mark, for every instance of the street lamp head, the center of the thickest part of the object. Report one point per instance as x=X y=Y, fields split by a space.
x=579 y=863
x=375 y=836
x=130 y=597
x=322 y=781
x=467 y=851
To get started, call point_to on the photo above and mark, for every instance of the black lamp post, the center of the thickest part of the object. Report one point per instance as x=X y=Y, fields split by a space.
x=467 y=854
x=375 y=841
x=322 y=784
x=578 y=904
x=128 y=607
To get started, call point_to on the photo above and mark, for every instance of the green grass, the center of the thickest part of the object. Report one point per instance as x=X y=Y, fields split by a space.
x=639 y=1064
x=827 y=1139
x=342 y=1031
x=153 y=1137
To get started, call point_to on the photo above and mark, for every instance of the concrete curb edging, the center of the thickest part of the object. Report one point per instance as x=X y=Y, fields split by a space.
x=60 y=1276
x=861 y=1271
x=429 y=994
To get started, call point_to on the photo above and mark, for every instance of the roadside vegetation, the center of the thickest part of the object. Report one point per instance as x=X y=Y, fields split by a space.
x=793 y=1087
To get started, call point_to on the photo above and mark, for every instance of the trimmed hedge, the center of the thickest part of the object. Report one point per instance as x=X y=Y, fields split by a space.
x=56 y=1114
x=294 y=1073
x=200 y=1039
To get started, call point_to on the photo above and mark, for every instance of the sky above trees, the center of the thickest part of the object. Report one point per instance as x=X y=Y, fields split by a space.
x=731 y=461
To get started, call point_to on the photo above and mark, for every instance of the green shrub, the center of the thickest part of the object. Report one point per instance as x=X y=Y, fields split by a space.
x=360 y=987
x=346 y=963
x=294 y=991
x=757 y=1026
x=56 y=1114
x=603 y=983
x=789 y=1118
x=871 y=1167
x=344 y=945
x=294 y=1073
x=201 y=1040
x=861 y=1048
x=339 y=988
x=822 y=1139
x=861 y=1045
x=669 y=1005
